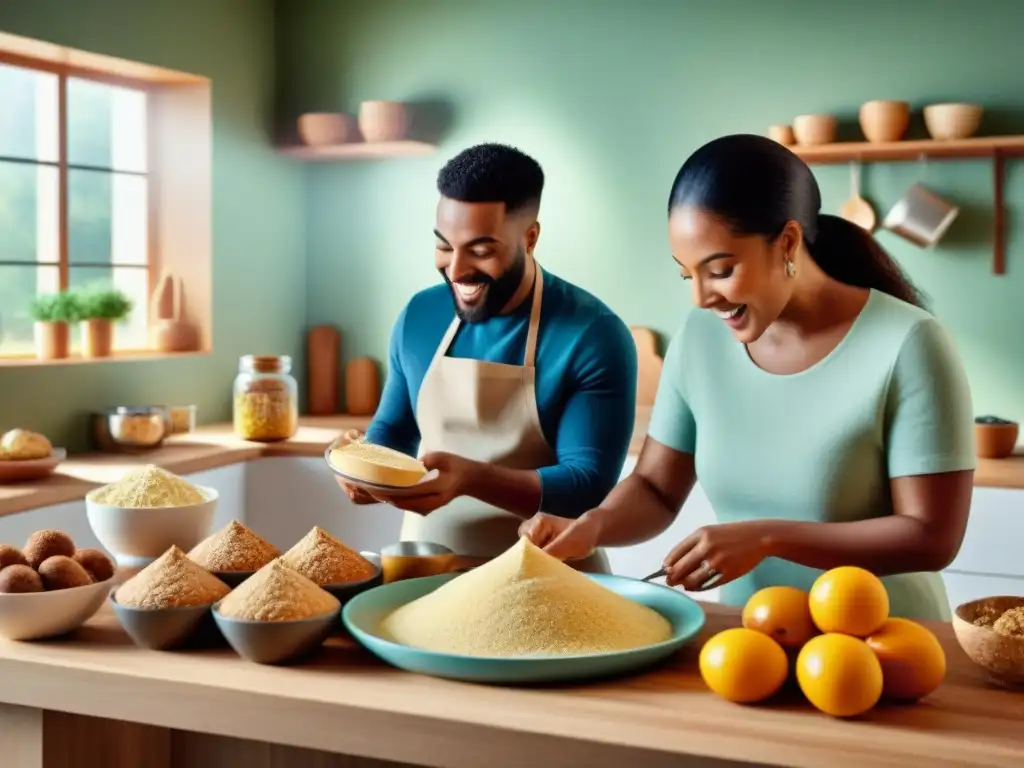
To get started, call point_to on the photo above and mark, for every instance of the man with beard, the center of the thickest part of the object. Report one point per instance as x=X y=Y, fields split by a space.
x=516 y=386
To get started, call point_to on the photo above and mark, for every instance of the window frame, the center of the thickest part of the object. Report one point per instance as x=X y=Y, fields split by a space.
x=63 y=72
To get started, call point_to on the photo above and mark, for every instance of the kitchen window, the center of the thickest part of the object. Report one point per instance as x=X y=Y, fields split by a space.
x=105 y=182
x=74 y=192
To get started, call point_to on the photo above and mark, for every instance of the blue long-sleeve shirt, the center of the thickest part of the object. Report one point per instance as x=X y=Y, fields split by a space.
x=585 y=382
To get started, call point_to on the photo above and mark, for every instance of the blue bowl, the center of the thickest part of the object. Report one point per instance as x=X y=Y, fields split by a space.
x=362 y=617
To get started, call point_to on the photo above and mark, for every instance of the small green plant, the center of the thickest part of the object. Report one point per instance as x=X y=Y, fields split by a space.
x=103 y=304
x=61 y=307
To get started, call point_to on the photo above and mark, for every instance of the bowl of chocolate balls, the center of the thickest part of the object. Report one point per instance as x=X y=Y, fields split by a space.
x=50 y=587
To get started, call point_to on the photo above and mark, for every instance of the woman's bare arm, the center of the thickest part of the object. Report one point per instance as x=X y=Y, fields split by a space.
x=645 y=503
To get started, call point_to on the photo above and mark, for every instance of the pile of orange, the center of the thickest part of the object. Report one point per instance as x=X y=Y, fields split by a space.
x=849 y=652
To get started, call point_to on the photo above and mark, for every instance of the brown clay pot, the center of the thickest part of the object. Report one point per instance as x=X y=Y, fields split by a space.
x=995 y=441
x=97 y=338
x=52 y=340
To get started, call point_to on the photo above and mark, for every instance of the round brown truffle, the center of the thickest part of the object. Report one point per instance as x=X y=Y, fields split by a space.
x=20 y=578
x=45 y=544
x=10 y=555
x=96 y=564
x=61 y=572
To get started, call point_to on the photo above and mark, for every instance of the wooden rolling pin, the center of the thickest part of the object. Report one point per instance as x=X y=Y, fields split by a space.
x=323 y=361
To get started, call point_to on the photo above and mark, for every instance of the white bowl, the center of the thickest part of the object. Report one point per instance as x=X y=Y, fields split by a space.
x=136 y=537
x=35 y=615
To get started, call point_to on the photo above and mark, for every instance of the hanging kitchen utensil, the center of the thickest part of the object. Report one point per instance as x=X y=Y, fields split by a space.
x=921 y=216
x=857 y=209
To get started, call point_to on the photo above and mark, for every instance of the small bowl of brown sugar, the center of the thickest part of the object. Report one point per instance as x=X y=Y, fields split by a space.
x=991 y=632
x=234 y=553
x=167 y=604
x=277 y=615
x=49 y=587
x=331 y=564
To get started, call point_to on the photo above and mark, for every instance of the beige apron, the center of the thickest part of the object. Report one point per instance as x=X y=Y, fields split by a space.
x=486 y=412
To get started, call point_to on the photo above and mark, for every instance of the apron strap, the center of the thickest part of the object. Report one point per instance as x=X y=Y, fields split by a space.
x=531 y=333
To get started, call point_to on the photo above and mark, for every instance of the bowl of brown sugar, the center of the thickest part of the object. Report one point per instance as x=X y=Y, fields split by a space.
x=331 y=564
x=276 y=615
x=234 y=553
x=167 y=604
x=991 y=632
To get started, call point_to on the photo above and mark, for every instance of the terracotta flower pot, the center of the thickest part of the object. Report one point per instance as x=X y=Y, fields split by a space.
x=52 y=340
x=97 y=337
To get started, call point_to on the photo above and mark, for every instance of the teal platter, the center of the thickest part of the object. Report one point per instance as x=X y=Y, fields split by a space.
x=363 y=615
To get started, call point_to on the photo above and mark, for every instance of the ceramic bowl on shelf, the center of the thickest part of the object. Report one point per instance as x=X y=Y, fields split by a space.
x=813 y=130
x=1000 y=655
x=23 y=470
x=948 y=122
x=383 y=120
x=323 y=129
x=38 y=615
x=164 y=629
x=882 y=120
x=783 y=134
x=275 y=642
x=136 y=537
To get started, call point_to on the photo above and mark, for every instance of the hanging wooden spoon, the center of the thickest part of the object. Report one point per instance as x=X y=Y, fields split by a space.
x=857 y=209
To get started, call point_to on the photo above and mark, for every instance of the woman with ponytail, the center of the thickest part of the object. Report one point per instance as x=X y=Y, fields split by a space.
x=825 y=411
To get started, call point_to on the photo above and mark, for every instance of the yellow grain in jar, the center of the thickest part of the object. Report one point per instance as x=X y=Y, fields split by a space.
x=266 y=398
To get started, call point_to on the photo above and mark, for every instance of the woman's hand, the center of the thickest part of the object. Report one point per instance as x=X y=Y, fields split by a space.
x=452 y=475
x=717 y=554
x=562 y=537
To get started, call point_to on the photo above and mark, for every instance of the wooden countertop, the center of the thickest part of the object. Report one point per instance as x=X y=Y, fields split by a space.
x=346 y=701
x=216 y=446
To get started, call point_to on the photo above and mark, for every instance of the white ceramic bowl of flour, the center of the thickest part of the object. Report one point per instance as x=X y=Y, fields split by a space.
x=137 y=536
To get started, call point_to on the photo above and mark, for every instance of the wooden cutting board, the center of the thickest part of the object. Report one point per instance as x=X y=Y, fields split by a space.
x=649 y=364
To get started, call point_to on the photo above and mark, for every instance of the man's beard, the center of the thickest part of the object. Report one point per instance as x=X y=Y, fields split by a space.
x=497 y=291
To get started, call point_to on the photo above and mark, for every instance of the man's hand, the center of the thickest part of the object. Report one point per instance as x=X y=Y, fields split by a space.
x=453 y=475
x=355 y=495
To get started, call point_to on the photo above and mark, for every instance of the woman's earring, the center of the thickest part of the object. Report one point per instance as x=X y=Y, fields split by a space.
x=790 y=268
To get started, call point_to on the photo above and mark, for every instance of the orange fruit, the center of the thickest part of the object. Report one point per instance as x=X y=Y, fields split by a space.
x=913 y=662
x=742 y=665
x=849 y=600
x=839 y=674
x=782 y=613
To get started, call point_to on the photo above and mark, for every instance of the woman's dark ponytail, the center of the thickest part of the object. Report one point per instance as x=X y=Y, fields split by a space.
x=849 y=254
x=757 y=186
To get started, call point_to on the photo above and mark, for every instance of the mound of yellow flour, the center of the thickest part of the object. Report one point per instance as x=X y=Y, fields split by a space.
x=524 y=603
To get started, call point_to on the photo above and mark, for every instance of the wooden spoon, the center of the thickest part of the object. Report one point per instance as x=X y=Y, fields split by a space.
x=857 y=209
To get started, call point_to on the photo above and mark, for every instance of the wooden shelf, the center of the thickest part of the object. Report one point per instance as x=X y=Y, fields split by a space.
x=910 y=151
x=30 y=361
x=995 y=148
x=359 y=150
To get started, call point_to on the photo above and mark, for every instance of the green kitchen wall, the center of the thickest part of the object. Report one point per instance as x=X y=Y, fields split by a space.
x=258 y=223
x=611 y=96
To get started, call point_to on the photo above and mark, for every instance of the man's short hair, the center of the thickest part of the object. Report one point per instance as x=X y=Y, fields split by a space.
x=493 y=173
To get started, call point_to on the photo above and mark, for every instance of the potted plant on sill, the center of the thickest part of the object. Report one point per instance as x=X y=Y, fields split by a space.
x=99 y=310
x=53 y=314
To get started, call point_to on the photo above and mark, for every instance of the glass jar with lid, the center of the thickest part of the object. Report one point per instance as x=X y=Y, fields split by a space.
x=266 y=398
